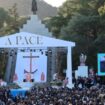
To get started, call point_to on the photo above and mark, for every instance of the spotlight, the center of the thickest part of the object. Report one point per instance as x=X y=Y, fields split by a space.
x=22 y=50
x=46 y=53
x=50 y=51
x=10 y=54
x=30 y=50
x=12 y=51
x=42 y=52
x=2 y=51
x=15 y=53
x=24 y=80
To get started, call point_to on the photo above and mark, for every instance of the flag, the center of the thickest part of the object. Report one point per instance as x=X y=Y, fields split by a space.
x=15 y=77
x=42 y=76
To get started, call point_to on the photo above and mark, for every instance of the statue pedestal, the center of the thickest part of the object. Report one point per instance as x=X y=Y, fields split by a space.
x=82 y=71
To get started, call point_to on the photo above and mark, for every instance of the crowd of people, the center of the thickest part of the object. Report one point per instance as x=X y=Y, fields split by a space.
x=87 y=91
x=88 y=82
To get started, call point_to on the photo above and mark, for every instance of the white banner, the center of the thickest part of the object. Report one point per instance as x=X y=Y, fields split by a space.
x=31 y=67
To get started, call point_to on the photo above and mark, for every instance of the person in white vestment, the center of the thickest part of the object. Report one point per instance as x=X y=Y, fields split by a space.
x=2 y=83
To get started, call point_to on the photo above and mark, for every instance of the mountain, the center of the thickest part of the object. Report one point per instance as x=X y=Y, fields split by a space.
x=24 y=7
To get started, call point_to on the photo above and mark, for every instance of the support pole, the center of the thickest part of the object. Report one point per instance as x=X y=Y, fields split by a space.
x=69 y=68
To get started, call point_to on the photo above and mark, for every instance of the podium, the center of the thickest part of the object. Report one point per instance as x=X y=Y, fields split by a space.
x=82 y=71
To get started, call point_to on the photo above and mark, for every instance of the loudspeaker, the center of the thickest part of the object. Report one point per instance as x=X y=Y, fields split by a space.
x=32 y=80
x=24 y=80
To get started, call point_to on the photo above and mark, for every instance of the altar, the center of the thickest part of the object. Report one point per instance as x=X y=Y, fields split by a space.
x=18 y=92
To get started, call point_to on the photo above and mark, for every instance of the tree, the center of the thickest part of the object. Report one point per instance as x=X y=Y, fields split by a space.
x=10 y=21
x=54 y=24
x=85 y=27
x=4 y=17
x=84 y=23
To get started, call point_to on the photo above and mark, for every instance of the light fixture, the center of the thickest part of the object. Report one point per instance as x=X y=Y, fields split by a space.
x=46 y=53
x=42 y=52
x=50 y=51
x=2 y=51
x=22 y=50
x=15 y=53
x=30 y=50
x=12 y=51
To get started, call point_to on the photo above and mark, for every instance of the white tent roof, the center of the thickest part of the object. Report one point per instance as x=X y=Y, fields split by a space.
x=24 y=39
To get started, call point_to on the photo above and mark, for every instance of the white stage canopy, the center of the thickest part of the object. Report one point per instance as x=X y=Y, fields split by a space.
x=29 y=40
x=24 y=39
